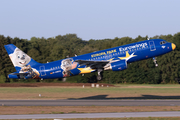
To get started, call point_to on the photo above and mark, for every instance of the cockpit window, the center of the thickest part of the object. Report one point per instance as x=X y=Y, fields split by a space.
x=162 y=42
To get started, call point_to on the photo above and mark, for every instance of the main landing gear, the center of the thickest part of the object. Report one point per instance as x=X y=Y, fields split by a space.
x=99 y=76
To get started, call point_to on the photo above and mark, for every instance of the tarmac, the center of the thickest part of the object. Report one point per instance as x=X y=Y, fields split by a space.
x=94 y=115
x=90 y=102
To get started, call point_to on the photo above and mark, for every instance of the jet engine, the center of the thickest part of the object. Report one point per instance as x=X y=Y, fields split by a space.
x=116 y=66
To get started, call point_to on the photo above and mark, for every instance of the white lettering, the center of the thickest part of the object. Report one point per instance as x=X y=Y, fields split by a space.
x=143 y=45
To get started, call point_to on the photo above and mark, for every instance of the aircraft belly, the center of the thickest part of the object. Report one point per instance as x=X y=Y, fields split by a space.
x=52 y=76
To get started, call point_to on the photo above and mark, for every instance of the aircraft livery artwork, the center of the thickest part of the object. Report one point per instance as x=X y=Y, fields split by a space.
x=21 y=62
x=115 y=59
x=67 y=65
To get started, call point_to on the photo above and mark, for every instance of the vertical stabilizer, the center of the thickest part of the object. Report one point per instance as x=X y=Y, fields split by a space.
x=19 y=58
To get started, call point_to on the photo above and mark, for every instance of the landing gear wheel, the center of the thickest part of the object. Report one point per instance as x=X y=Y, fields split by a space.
x=99 y=77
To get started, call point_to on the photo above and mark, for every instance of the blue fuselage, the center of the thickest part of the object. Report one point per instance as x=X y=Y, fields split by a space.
x=130 y=52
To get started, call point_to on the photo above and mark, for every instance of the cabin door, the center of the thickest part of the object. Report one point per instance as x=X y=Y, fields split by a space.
x=42 y=70
x=152 y=46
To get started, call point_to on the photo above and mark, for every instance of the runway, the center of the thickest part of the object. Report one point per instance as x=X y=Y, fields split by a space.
x=95 y=115
x=90 y=102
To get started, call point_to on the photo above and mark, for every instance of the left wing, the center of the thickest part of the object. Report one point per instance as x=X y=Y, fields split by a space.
x=93 y=64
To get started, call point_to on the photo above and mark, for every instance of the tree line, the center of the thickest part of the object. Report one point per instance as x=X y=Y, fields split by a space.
x=46 y=50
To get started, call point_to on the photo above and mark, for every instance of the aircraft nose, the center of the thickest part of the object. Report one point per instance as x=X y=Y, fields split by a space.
x=173 y=46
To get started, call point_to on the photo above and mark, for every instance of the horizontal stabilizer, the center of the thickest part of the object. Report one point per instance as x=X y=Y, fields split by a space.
x=24 y=74
x=18 y=75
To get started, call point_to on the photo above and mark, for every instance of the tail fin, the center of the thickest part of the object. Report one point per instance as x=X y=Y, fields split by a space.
x=19 y=58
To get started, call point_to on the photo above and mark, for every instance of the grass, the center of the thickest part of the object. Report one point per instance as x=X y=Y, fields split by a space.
x=151 y=85
x=7 y=110
x=119 y=92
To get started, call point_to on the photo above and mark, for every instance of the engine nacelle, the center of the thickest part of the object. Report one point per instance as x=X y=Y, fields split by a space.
x=119 y=65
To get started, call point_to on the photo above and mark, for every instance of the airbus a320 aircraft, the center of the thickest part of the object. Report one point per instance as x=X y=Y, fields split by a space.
x=115 y=59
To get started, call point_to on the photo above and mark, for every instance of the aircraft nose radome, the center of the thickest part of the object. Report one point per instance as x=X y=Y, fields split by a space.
x=173 y=46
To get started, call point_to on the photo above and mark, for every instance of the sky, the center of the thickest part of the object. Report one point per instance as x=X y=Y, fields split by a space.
x=89 y=19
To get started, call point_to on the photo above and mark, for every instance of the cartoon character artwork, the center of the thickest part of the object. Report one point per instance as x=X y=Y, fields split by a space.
x=67 y=65
x=20 y=59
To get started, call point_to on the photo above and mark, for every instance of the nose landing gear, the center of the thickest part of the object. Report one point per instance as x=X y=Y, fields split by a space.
x=155 y=61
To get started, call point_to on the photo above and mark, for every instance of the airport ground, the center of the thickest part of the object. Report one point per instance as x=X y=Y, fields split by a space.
x=14 y=110
x=55 y=91
x=149 y=118
x=138 y=118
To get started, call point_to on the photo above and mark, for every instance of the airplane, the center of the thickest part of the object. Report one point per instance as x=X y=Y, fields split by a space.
x=115 y=59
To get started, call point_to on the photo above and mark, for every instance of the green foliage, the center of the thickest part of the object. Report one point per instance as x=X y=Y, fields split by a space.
x=2 y=78
x=51 y=49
